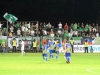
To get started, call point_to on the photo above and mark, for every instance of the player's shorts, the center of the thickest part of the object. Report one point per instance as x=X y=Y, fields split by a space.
x=67 y=54
x=50 y=51
x=57 y=52
x=44 y=55
x=22 y=48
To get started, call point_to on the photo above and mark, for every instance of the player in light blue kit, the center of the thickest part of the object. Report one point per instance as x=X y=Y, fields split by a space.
x=57 y=47
x=68 y=52
x=44 y=52
x=51 y=48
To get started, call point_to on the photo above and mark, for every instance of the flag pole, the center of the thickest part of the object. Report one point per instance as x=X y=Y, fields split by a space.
x=7 y=28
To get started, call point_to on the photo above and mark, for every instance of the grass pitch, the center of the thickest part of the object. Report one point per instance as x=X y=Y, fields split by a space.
x=32 y=64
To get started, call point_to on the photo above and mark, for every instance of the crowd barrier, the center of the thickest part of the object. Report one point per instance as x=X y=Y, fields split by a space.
x=28 y=43
x=80 y=48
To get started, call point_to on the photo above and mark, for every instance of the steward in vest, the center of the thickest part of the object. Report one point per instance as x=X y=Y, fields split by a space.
x=34 y=46
x=86 y=46
x=4 y=44
x=14 y=44
x=72 y=43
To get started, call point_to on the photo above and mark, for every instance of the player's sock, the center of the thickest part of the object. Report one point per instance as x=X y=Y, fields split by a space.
x=43 y=58
x=24 y=53
x=52 y=56
x=56 y=57
x=68 y=59
x=46 y=59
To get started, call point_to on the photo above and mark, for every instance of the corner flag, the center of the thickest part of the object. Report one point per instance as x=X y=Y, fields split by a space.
x=9 y=17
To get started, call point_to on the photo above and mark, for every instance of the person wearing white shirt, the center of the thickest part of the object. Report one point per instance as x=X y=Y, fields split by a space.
x=29 y=25
x=59 y=32
x=94 y=29
x=97 y=34
x=44 y=32
x=70 y=34
x=18 y=32
x=22 y=29
x=25 y=31
x=0 y=25
x=32 y=32
x=60 y=25
x=48 y=25
x=22 y=47
x=12 y=29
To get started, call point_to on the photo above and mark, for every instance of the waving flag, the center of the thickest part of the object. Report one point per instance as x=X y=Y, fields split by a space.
x=9 y=17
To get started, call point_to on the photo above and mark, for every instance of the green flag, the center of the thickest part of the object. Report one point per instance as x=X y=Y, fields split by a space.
x=9 y=17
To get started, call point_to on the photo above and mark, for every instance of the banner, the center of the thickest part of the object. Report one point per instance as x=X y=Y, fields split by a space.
x=28 y=41
x=3 y=37
x=80 y=48
x=28 y=44
x=10 y=42
x=89 y=40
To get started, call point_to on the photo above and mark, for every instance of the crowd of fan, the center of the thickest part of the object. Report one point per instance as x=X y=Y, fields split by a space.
x=23 y=29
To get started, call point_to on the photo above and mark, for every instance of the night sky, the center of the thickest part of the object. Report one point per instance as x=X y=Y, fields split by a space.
x=66 y=11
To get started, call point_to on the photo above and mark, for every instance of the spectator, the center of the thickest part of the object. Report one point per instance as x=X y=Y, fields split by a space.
x=44 y=33
x=32 y=32
x=70 y=34
x=90 y=28
x=75 y=33
x=97 y=34
x=18 y=32
x=66 y=26
x=23 y=28
x=36 y=26
x=52 y=33
x=75 y=26
x=59 y=33
x=86 y=28
x=1 y=25
x=29 y=32
x=48 y=27
x=10 y=34
x=41 y=25
x=43 y=41
x=0 y=32
x=4 y=32
x=66 y=35
x=26 y=25
x=25 y=31
x=44 y=25
x=29 y=25
x=97 y=27
x=94 y=29
x=17 y=25
x=60 y=25
x=12 y=29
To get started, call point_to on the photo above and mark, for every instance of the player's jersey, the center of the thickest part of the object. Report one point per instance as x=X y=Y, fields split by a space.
x=68 y=49
x=57 y=46
x=50 y=43
x=67 y=45
x=22 y=45
x=45 y=47
x=51 y=47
